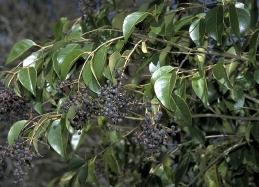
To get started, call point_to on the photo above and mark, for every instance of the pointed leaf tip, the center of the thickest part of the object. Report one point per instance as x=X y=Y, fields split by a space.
x=18 y=49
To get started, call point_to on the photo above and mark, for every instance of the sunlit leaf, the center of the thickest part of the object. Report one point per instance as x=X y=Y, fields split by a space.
x=58 y=137
x=160 y=72
x=239 y=20
x=163 y=88
x=15 y=131
x=130 y=21
x=68 y=62
x=18 y=49
x=197 y=31
x=28 y=78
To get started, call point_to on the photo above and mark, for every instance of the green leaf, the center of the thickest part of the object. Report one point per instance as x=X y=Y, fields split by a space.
x=130 y=21
x=91 y=177
x=197 y=31
x=255 y=131
x=181 y=109
x=164 y=54
x=30 y=60
x=118 y=19
x=256 y=76
x=77 y=140
x=163 y=88
x=28 y=78
x=158 y=27
x=18 y=49
x=58 y=28
x=211 y=177
x=235 y=158
x=253 y=47
x=82 y=175
x=219 y=72
x=48 y=97
x=159 y=73
x=15 y=131
x=109 y=158
x=197 y=136
x=98 y=62
x=199 y=85
x=214 y=23
x=58 y=137
x=89 y=78
x=252 y=6
x=181 y=168
x=183 y=21
x=68 y=62
x=75 y=163
x=239 y=20
x=38 y=131
x=144 y=63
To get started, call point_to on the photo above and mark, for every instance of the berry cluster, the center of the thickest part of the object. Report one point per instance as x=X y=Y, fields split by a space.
x=12 y=107
x=86 y=108
x=22 y=153
x=113 y=102
x=153 y=135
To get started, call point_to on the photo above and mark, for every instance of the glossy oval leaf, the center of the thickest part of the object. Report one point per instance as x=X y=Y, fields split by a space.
x=253 y=47
x=181 y=168
x=214 y=23
x=220 y=74
x=181 y=110
x=98 y=62
x=197 y=135
x=69 y=61
x=197 y=31
x=109 y=158
x=163 y=88
x=28 y=78
x=18 y=49
x=160 y=72
x=239 y=20
x=30 y=60
x=15 y=131
x=183 y=21
x=58 y=28
x=199 y=85
x=75 y=163
x=130 y=21
x=89 y=78
x=58 y=137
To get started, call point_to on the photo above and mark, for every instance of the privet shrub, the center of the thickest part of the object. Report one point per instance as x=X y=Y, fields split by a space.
x=168 y=91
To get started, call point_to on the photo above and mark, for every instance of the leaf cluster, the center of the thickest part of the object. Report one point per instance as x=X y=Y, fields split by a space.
x=196 y=64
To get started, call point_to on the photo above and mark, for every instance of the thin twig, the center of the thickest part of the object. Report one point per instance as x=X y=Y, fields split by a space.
x=226 y=152
x=225 y=116
x=192 y=50
x=252 y=98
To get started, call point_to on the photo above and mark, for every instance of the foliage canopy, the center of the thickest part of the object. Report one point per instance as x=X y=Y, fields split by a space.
x=171 y=94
